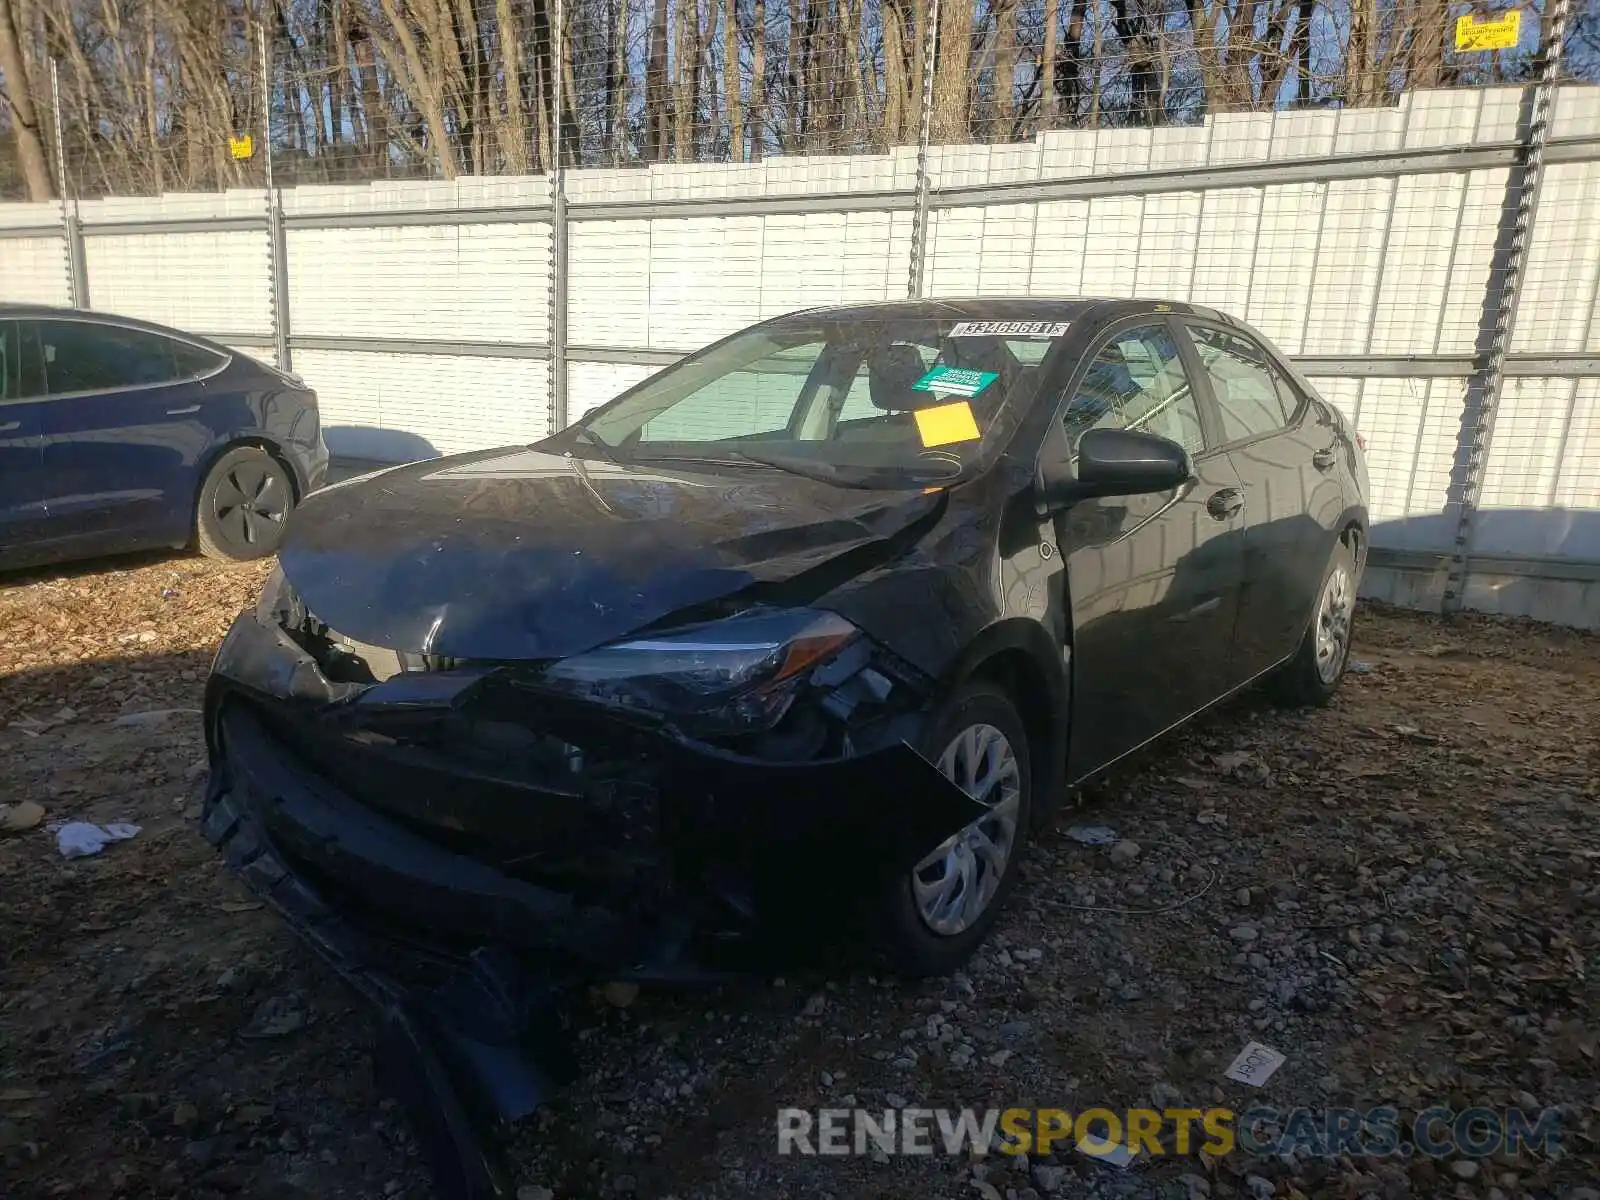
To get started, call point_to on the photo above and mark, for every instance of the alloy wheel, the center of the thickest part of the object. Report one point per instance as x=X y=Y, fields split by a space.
x=955 y=884
x=1333 y=625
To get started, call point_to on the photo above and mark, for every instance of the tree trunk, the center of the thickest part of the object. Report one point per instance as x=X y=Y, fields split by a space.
x=617 y=81
x=730 y=79
x=917 y=26
x=152 y=128
x=1094 y=65
x=338 y=77
x=1427 y=64
x=1203 y=23
x=687 y=68
x=1129 y=23
x=1047 y=69
x=758 y=85
x=424 y=87
x=851 y=108
x=813 y=51
x=1005 y=68
x=375 y=113
x=950 y=72
x=25 y=128
x=511 y=126
x=1360 y=52
x=655 y=85
x=568 y=116
x=897 y=38
x=793 y=92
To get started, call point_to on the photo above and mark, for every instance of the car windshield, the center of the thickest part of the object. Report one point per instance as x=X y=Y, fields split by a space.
x=893 y=403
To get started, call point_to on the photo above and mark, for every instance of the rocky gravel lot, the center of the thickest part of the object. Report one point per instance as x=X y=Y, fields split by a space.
x=1401 y=894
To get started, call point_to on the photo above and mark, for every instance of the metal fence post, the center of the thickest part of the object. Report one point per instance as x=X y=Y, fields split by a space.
x=71 y=224
x=1486 y=387
x=919 y=218
x=558 y=233
x=277 y=245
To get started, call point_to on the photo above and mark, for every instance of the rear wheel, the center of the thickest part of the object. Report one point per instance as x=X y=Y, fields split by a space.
x=933 y=919
x=244 y=504
x=1312 y=676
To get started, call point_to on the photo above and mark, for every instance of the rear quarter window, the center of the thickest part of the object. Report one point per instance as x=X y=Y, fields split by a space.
x=192 y=361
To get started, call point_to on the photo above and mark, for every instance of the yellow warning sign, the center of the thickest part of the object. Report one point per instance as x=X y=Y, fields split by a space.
x=242 y=147
x=1489 y=33
x=947 y=423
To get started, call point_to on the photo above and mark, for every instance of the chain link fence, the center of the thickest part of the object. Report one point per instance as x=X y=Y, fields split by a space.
x=465 y=221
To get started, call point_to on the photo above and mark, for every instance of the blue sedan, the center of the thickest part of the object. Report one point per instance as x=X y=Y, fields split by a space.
x=118 y=435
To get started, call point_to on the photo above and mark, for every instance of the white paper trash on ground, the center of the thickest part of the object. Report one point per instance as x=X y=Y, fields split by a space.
x=79 y=839
x=1255 y=1064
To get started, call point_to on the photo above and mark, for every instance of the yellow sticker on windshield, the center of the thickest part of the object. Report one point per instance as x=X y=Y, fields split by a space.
x=947 y=423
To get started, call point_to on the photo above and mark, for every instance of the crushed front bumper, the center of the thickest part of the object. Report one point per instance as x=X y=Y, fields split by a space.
x=468 y=959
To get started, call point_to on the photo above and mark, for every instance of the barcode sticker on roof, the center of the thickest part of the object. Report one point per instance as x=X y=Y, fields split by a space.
x=1025 y=329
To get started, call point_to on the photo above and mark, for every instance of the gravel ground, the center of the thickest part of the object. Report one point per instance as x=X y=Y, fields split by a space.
x=1399 y=893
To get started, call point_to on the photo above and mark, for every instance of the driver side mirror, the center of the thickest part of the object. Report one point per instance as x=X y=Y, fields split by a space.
x=1114 y=462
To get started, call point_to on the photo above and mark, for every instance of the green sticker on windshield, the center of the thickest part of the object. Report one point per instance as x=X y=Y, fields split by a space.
x=954 y=381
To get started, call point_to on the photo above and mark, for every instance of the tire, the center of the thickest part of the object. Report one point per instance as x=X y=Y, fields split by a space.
x=915 y=944
x=1312 y=676
x=244 y=505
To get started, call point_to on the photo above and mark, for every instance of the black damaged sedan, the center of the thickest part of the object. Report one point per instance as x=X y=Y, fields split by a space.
x=802 y=635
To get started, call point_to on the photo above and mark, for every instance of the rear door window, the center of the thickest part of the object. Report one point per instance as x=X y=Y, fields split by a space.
x=1252 y=397
x=86 y=356
x=30 y=363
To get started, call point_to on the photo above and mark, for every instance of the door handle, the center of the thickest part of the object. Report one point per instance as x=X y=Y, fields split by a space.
x=1227 y=503
x=9 y=426
x=1324 y=459
x=183 y=412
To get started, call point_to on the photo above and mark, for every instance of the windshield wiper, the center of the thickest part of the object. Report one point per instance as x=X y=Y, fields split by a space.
x=821 y=472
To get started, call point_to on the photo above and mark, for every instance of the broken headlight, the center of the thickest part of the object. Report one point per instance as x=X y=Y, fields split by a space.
x=733 y=676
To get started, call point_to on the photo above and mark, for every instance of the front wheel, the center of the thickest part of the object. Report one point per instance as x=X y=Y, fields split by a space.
x=244 y=505
x=932 y=920
x=1312 y=676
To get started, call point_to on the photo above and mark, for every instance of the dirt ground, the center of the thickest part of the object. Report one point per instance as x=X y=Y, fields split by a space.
x=1400 y=893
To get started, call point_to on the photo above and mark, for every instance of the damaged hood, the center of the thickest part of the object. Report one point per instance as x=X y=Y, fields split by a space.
x=525 y=554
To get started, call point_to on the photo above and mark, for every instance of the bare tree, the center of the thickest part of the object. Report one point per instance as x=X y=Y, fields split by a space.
x=1047 y=64
x=152 y=90
x=657 y=103
x=951 y=73
x=1005 y=67
x=730 y=78
x=616 y=81
x=25 y=131
x=899 y=32
x=758 y=83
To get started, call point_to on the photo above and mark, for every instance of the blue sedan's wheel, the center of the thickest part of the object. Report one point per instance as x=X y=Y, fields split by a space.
x=244 y=506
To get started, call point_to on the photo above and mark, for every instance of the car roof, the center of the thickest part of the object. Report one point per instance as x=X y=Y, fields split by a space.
x=1007 y=308
x=13 y=311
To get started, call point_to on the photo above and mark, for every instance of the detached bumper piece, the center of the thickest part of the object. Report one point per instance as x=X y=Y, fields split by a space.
x=463 y=853
x=469 y=1041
